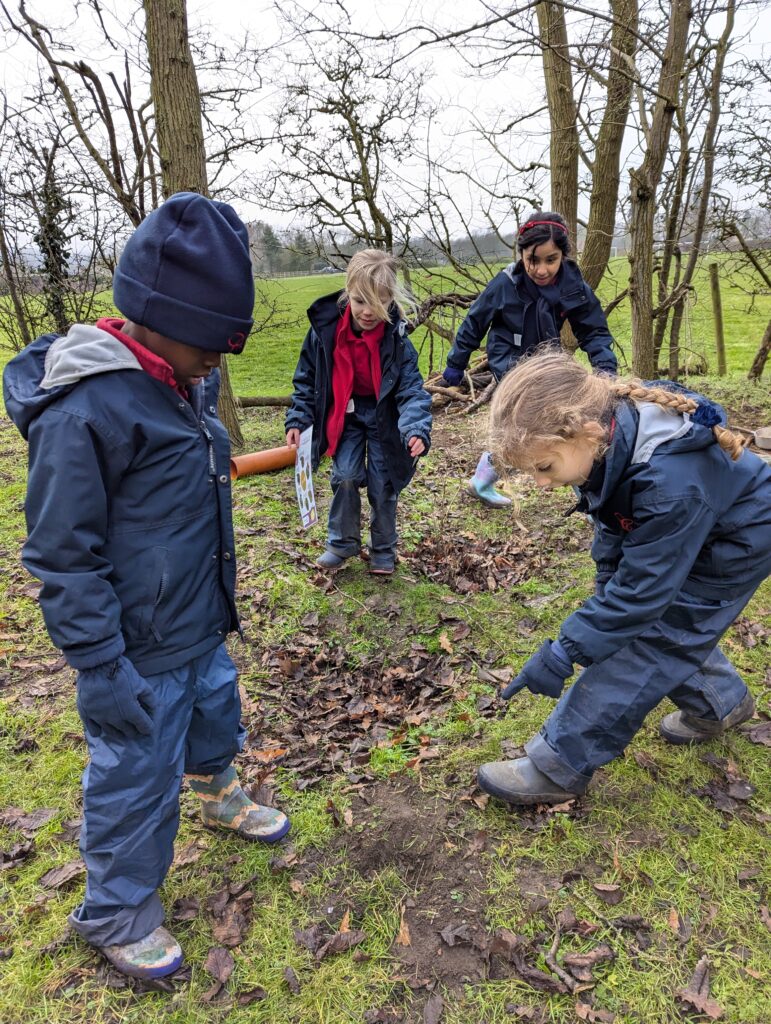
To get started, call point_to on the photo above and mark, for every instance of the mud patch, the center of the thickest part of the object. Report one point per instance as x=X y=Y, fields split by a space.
x=442 y=937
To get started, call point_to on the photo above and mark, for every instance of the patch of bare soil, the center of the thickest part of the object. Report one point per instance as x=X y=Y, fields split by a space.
x=444 y=941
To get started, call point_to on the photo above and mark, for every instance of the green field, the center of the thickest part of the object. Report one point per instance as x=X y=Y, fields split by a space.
x=459 y=904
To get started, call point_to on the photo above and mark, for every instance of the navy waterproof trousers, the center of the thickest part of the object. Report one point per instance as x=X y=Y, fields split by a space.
x=678 y=658
x=360 y=460
x=131 y=795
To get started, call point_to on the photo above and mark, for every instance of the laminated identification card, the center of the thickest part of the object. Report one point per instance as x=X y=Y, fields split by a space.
x=303 y=480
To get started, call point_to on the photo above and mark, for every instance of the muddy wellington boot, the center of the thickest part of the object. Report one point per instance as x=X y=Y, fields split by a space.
x=154 y=956
x=520 y=782
x=225 y=805
x=330 y=560
x=482 y=484
x=680 y=727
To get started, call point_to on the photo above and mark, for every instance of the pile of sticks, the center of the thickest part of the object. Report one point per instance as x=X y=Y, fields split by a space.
x=475 y=390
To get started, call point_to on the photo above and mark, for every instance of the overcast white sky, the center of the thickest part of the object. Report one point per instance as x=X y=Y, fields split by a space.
x=458 y=93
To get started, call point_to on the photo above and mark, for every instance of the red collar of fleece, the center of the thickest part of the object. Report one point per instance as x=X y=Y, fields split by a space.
x=157 y=367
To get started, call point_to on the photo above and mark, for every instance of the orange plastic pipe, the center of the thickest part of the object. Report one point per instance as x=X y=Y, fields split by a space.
x=262 y=462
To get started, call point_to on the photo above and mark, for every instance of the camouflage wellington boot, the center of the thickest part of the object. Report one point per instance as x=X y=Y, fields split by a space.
x=225 y=805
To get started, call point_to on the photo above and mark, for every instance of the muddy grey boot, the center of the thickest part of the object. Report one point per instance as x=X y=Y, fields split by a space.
x=520 y=782
x=680 y=727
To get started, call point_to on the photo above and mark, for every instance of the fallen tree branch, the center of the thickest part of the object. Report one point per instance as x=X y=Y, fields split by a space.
x=264 y=400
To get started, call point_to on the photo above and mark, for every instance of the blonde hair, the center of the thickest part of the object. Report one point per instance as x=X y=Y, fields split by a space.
x=373 y=273
x=549 y=398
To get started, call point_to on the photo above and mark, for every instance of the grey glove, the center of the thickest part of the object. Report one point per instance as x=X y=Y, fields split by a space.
x=115 y=696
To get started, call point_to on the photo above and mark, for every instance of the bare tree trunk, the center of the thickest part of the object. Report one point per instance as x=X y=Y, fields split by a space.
x=9 y=270
x=177 y=103
x=644 y=184
x=562 y=112
x=606 y=175
x=176 y=98
x=759 y=362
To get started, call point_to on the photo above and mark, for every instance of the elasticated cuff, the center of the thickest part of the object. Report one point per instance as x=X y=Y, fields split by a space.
x=127 y=924
x=95 y=654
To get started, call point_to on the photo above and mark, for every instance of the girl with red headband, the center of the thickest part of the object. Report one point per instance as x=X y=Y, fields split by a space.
x=524 y=307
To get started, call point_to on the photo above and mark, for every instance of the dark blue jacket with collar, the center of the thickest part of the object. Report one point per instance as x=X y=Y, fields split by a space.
x=403 y=405
x=672 y=513
x=128 y=504
x=502 y=310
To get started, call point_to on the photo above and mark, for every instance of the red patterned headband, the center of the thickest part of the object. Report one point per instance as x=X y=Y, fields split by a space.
x=533 y=223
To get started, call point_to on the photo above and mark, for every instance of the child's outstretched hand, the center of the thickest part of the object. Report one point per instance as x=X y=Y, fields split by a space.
x=416 y=447
x=293 y=438
x=545 y=672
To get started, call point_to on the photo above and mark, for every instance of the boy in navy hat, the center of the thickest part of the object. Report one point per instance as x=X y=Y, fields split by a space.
x=130 y=532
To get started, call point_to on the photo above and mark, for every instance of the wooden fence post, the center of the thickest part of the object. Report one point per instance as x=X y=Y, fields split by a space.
x=717 y=312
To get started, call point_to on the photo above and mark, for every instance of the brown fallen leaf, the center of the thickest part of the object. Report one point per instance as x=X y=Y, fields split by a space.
x=696 y=994
x=292 y=981
x=588 y=1013
x=760 y=734
x=611 y=894
x=765 y=916
x=444 y=643
x=432 y=1011
x=340 y=943
x=232 y=925
x=17 y=853
x=312 y=938
x=188 y=854
x=61 y=877
x=580 y=964
x=504 y=943
x=16 y=818
x=219 y=964
x=453 y=934
x=251 y=995
x=185 y=909
x=403 y=938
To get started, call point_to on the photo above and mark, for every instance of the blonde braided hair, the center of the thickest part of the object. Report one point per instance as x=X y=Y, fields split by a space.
x=549 y=398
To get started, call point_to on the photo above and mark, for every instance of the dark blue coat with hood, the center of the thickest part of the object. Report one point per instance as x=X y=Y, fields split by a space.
x=128 y=503
x=403 y=406
x=508 y=312
x=673 y=513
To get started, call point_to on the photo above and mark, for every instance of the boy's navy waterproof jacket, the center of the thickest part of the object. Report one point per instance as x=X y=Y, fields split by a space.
x=673 y=513
x=403 y=406
x=128 y=504
x=504 y=309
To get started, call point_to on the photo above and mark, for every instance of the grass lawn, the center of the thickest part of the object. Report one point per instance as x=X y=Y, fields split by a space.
x=369 y=705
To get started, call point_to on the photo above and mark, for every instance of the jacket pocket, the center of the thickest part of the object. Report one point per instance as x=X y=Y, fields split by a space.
x=153 y=569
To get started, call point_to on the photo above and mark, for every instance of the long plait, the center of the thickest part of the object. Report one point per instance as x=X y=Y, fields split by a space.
x=730 y=442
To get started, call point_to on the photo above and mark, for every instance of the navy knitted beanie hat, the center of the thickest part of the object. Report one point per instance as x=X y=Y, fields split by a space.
x=186 y=273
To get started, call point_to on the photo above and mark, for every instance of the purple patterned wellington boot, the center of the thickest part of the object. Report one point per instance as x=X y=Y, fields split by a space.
x=482 y=484
x=225 y=805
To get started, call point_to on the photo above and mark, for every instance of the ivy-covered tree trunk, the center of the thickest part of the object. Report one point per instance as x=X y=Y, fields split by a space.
x=177 y=103
x=51 y=238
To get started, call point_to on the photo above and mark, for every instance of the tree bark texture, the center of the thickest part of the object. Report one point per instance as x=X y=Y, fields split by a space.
x=177 y=103
x=563 y=147
x=606 y=174
x=176 y=98
x=644 y=182
x=759 y=362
